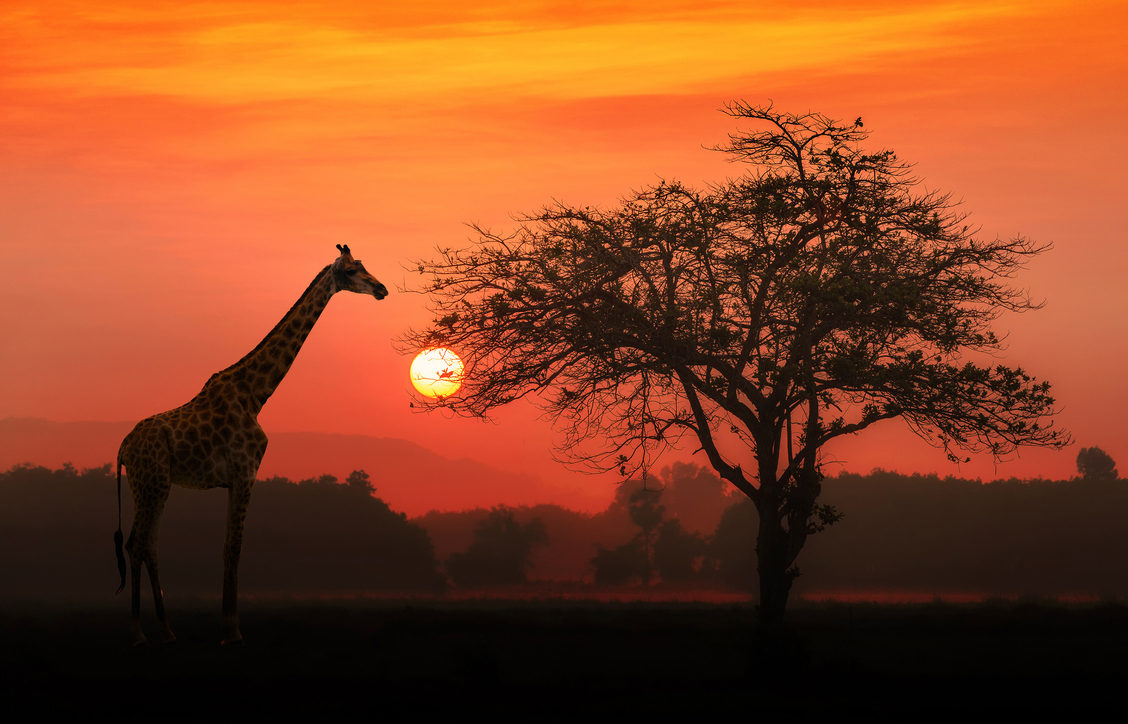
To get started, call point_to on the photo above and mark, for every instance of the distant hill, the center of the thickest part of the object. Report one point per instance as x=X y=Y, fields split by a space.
x=409 y=477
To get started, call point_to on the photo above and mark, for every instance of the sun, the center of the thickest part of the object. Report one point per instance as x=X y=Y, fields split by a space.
x=436 y=372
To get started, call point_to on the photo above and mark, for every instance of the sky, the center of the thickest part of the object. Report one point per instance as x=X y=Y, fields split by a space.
x=173 y=175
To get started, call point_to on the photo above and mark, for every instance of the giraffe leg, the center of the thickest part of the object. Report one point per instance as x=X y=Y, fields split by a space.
x=166 y=636
x=238 y=496
x=135 y=631
x=148 y=499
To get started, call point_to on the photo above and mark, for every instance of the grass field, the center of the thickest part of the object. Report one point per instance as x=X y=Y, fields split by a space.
x=561 y=659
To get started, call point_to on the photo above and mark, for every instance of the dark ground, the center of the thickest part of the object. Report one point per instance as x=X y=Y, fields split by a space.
x=556 y=660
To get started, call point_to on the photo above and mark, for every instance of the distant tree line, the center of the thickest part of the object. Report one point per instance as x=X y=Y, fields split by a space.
x=690 y=503
x=1008 y=536
x=680 y=528
x=316 y=535
x=664 y=544
x=921 y=532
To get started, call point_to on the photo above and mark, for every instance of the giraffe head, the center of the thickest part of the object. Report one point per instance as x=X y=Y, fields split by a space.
x=350 y=275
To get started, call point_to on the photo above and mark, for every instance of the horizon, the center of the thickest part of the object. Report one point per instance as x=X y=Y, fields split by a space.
x=617 y=479
x=222 y=151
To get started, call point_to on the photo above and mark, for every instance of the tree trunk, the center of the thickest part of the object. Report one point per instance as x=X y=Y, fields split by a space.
x=645 y=558
x=773 y=564
x=777 y=650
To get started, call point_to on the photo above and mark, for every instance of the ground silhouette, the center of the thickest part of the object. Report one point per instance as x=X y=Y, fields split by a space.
x=560 y=660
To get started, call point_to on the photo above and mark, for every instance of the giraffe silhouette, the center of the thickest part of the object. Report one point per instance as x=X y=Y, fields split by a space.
x=215 y=441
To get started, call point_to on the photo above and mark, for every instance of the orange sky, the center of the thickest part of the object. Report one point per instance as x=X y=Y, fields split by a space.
x=174 y=176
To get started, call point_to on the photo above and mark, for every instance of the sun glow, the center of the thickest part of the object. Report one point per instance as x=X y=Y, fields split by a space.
x=436 y=372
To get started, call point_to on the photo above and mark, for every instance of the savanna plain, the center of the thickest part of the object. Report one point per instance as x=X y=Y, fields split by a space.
x=550 y=658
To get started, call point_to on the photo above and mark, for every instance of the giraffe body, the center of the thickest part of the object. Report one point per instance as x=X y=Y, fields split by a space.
x=215 y=441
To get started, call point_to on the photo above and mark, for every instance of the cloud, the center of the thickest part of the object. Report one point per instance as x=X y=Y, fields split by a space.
x=245 y=53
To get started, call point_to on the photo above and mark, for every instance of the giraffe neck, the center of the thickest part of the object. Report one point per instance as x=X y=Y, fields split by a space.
x=254 y=378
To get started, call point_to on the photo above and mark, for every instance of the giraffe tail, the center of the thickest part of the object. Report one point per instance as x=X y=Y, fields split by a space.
x=118 y=536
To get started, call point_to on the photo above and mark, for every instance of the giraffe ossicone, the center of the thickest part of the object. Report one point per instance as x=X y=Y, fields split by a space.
x=215 y=441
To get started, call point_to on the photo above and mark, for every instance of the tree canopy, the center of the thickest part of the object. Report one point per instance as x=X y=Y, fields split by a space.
x=500 y=553
x=819 y=293
x=1095 y=464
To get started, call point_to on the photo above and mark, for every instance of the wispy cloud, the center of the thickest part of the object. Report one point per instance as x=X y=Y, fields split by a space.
x=238 y=53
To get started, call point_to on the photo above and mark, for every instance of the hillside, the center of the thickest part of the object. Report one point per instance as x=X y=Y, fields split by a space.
x=409 y=477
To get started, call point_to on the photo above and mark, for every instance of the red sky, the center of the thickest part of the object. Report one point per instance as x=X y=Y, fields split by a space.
x=173 y=175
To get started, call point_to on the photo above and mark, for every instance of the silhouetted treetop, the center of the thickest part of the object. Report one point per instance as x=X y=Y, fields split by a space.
x=1095 y=464
x=360 y=481
x=500 y=552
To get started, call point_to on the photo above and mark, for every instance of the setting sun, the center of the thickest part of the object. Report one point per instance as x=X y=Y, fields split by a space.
x=436 y=372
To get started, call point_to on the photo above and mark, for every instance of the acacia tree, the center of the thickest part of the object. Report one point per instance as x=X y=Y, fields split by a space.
x=816 y=295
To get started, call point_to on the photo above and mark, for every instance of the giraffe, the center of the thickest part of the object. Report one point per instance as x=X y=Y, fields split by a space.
x=215 y=441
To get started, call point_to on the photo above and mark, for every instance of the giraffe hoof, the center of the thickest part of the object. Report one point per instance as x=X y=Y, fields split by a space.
x=167 y=639
x=137 y=633
x=234 y=642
